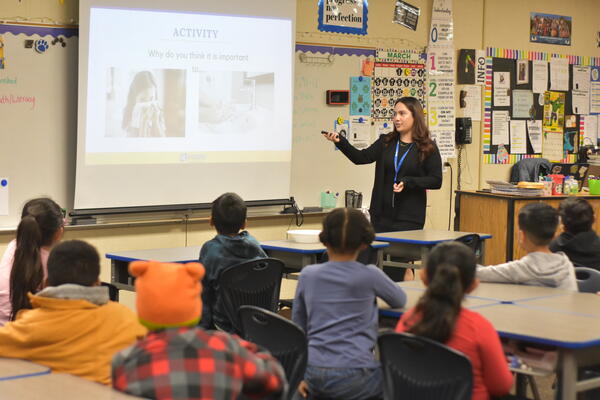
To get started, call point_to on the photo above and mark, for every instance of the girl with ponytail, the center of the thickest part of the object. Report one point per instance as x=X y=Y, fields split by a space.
x=23 y=265
x=336 y=306
x=449 y=274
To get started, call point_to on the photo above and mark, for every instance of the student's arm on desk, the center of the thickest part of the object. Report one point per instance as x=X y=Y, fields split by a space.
x=510 y=272
x=387 y=289
x=496 y=375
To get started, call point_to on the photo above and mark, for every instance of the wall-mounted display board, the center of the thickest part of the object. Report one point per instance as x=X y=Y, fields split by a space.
x=535 y=104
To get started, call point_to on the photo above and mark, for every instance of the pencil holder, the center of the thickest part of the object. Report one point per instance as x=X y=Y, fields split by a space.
x=328 y=200
x=594 y=185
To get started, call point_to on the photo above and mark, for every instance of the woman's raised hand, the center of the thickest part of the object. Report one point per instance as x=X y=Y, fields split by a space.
x=331 y=136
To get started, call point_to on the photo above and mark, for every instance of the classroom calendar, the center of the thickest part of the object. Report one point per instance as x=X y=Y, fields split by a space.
x=397 y=73
x=394 y=80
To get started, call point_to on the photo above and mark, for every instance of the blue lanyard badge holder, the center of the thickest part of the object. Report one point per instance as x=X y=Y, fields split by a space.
x=398 y=165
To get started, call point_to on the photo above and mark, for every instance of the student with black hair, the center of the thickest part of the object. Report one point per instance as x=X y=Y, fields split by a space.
x=449 y=274
x=23 y=265
x=578 y=240
x=72 y=326
x=336 y=306
x=231 y=246
x=540 y=267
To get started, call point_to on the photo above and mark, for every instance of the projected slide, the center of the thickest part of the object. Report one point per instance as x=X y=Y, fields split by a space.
x=171 y=87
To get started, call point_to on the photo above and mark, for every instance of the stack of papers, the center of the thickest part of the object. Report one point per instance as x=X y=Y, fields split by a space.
x=594 y=159
x=501 y=187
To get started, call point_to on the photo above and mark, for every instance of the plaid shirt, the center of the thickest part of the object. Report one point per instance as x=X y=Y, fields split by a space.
x=191 y=363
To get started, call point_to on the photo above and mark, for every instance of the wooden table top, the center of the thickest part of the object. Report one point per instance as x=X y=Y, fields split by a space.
x=424 y=236
x=59 y=386
x=13 y=367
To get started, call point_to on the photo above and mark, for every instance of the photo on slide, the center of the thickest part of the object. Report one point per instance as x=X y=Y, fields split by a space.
x=145 y=103
x=230 y=101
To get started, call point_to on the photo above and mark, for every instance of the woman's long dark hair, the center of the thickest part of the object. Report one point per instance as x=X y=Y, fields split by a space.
x=40 y=220
x=420 y=133
x=450 y=270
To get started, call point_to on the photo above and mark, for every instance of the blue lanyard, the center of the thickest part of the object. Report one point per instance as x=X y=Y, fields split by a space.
x=398 y=165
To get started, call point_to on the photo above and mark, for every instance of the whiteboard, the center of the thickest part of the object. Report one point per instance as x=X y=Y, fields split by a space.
x=316 y=165
x=37 y=144
x=37 y=138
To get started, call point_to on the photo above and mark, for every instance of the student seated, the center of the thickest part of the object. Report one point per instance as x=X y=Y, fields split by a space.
x=23 y=267
x=336 y=306
x=578 y=240
x=231 y=246
x=73 y=327
x=178 y=359
x=540 y=267
x=449 y=274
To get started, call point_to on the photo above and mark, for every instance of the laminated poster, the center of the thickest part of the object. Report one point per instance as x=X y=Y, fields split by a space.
x=552 y=146
x=360 y=95
x=554 y=112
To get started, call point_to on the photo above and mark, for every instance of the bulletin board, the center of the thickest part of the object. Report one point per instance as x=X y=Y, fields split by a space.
x=38 y=114
x=504 y=60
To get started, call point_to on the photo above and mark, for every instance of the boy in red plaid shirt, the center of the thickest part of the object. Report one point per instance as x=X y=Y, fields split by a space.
x=178 y=360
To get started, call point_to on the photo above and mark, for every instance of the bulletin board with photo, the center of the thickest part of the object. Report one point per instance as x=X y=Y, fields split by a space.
x=532 y=106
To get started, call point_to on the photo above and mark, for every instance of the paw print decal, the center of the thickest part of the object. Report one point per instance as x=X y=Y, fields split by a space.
x=41 y=45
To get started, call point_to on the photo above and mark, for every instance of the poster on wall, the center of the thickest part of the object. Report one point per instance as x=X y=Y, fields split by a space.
x=554 y=112
x=406 y=15
x=441 y=70
x=595 y=90
x=343 y=16
x=394 y=80
x=466 y=67
x=550 y=29
x=552 y=146
x=360 y=95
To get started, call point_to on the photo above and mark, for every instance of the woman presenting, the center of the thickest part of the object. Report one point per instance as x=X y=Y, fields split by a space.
x=407 y=163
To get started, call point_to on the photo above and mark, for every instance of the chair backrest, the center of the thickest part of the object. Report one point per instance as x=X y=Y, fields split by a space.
x=419 y=368
x=284 y=339
x=113 y=291
x=472 y=240
x=588 y=279
x=254 y=283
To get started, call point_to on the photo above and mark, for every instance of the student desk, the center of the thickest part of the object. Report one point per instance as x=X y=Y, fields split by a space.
x=59 y=386
x=13 y=368
x=567 y=320
x=298 y=255
x=415 y=245
x=294 y=255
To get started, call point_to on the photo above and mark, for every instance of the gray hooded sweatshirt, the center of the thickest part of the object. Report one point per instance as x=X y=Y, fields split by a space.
x=537 y=269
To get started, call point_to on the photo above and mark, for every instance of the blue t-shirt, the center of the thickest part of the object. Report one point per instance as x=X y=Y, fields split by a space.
x=336 y=306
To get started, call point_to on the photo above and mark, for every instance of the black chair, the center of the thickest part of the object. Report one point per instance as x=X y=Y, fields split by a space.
x=419 y=368
x=113 y=291
x=473 y=241
x=588 y=279
x=284 y=339
x=254 y=283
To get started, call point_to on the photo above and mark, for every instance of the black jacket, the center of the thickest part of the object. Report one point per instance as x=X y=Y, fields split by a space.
x=417 y=176
x=583 y=249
